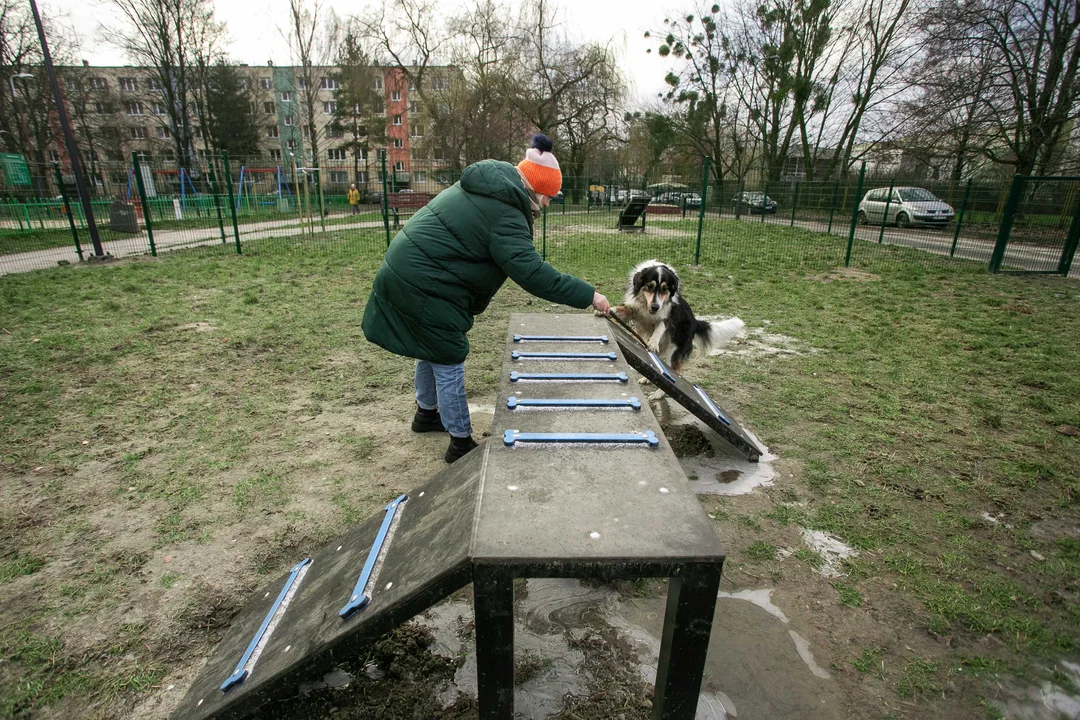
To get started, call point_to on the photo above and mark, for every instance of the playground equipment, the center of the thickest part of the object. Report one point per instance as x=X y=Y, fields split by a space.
x=577 y=481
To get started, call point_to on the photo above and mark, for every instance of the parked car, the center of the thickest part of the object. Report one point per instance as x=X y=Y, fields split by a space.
x=753 y=202
x=621 y=197
x=691 y=200
x=908 y=206
x=669 y=198
x=558 y=198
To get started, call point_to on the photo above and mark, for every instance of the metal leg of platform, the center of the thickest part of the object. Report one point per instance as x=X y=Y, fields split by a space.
x=493 y=605
x=685 y=643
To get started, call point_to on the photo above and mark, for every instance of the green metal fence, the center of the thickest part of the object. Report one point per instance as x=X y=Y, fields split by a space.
x=693 y=217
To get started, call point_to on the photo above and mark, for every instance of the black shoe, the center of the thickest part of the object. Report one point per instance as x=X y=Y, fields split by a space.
x=427 y=421
x=459 y=448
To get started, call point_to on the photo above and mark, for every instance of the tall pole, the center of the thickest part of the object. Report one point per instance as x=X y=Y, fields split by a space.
x=69 y=138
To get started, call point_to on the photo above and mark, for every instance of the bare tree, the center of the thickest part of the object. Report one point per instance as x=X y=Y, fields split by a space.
x=169 y=36
x=1031 y=50
x=313 y=35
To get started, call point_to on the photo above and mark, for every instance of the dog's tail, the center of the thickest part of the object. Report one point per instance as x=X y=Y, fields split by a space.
x=715 y=335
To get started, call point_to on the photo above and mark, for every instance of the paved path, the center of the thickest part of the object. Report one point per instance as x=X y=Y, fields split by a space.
x=1024 y=256
x=1018 y=255
x=165 y=241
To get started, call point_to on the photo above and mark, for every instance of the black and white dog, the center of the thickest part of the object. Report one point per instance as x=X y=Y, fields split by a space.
x=664 y=320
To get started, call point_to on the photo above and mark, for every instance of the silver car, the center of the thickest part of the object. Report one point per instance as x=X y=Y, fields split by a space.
x=907 y=207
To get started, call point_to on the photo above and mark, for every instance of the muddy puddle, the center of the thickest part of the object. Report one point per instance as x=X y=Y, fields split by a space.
x=712 y=465
x=758 y=665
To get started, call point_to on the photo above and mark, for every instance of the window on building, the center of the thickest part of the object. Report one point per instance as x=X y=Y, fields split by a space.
x=334 y=133
x=99 y=83
x=329 y=83
x=412 y=86
x=378 y=107
x=134 y=108
x=275 y=155
x=268 y=107
x=163 y=133
x=265 y=83
x=414 y=107
x=360 y=153
x=397 y=119
x=378 y=83
x=306 y=132
x=398 y=143
x=153 y=84
x=243 y=84
x=274 y=132
x=419 y=177
x=380 y=155
x=99 y=108
x=339 y=178
x=438 y=84
x=395 y=95
x=329 y=108
x=286 y=96
x=301 y=83
x=198 y=133
x=289 y=120
x=54 y=156
x=399 y=166
x=291 y=144
x=416 y=130
x=439 y=153
x=335 y=154
x=128 y=84
x=159 y=109
x=361 y=177
x=138 y=133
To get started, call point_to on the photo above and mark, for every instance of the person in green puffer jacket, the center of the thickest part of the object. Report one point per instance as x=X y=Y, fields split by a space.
x=445 y=265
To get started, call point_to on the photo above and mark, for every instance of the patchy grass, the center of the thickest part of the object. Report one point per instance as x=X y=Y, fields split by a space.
x=235 y=418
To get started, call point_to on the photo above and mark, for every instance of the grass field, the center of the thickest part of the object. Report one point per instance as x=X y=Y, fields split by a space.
x=177 y=431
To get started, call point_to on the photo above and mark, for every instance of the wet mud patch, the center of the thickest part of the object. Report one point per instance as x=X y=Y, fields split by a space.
x=688 y=440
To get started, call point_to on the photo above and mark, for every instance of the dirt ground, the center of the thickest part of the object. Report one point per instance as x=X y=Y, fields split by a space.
x=193 y=438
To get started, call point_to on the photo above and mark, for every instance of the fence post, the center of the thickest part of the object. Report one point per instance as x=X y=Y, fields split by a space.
x=854 y=215
x=318 y=192
x=1007 y=217
x=217 y=199
x=764 y=202
x=701 y=211
x=960 y=218
x=832 y=207
x=67 y=209
x=1070 y=244
x=232 y=204
x=885 y=215
x=296 y=196
x=385 y=202
x=739 y=195
x=794 y=204
x=142 y=198
x=543 y=224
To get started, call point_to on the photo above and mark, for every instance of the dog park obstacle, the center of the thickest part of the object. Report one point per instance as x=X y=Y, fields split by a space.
x=690 y=396
x=563 y=489
x=629 y=215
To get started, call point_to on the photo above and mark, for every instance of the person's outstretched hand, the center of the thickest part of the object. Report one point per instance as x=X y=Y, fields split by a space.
x=601 y=304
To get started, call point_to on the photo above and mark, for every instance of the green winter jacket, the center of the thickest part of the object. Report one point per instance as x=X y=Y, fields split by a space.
x=451 y=257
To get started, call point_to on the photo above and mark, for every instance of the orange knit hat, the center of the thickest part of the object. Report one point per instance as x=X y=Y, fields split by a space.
x=541 y=168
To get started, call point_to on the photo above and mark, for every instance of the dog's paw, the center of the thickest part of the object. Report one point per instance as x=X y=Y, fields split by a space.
x=654 y=347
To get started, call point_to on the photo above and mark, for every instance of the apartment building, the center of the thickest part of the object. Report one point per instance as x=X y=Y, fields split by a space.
x=118 y=110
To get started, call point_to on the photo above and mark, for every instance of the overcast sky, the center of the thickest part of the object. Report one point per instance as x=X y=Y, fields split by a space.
x=255 y=37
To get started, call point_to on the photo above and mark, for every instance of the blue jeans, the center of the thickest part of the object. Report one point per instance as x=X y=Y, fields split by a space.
x=443 y=387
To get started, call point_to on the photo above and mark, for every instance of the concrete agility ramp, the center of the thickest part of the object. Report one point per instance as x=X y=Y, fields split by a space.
x=577 y=481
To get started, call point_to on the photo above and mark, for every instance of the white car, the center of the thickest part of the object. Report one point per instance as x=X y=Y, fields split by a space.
x=907 y=207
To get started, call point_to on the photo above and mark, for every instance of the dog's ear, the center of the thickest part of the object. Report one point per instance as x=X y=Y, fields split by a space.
x=639 y=281
x=673 y=282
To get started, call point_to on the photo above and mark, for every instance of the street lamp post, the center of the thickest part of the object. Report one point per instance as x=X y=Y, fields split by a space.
x=23 y=131
x=69 y=137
